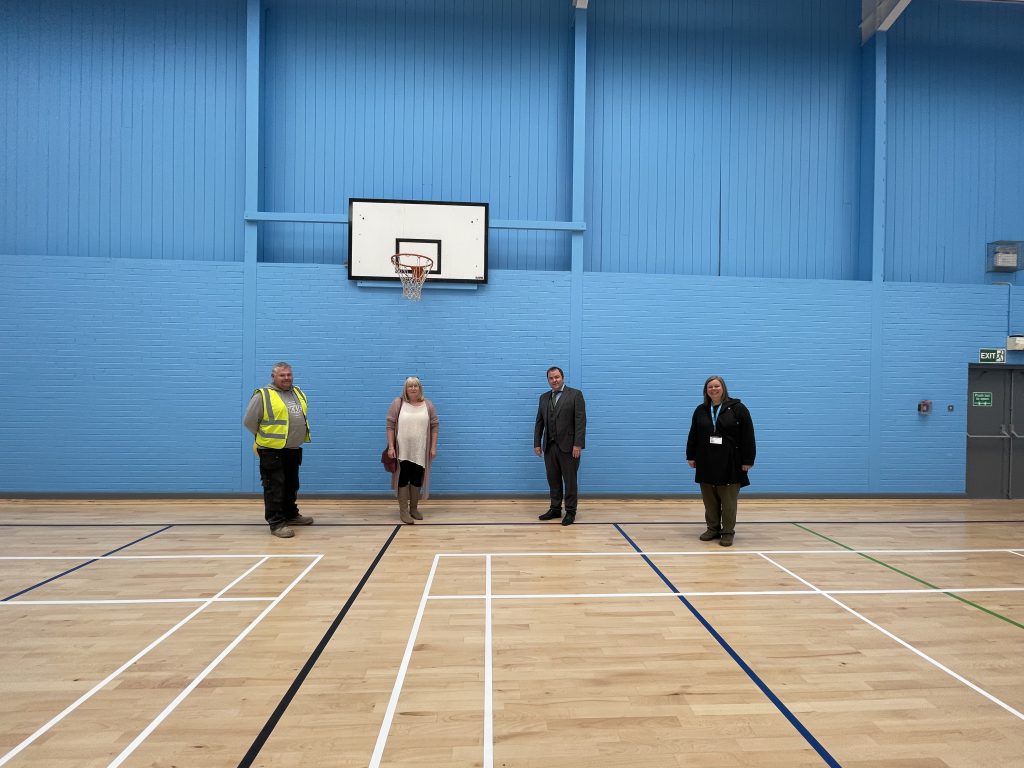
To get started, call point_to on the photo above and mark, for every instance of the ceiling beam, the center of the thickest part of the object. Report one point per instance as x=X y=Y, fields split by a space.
x=879 y=16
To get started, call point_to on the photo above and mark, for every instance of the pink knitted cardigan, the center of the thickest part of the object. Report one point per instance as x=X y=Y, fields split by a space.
x=392 y=423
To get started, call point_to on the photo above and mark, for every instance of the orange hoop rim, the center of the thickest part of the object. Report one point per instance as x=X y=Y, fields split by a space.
x=418 y=270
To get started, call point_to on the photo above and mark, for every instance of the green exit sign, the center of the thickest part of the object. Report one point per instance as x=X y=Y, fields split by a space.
x=992 y=356
x=981 y=399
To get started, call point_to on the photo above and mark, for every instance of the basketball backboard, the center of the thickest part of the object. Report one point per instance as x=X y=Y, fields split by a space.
x=452 y=235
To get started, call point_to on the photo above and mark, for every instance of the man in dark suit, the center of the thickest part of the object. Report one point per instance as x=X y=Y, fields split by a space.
x=562 y=422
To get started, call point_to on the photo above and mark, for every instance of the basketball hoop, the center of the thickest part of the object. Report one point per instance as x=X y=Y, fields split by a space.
x=412 y=269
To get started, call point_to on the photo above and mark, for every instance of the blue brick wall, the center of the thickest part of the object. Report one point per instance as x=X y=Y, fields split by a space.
x=155 y=347
x=481 y=355
x=796 y=352
x=931 y=334
x=123 y=374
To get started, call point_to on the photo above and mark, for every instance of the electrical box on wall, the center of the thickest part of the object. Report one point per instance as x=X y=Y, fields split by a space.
x=1015 y=343
x=1003 y=256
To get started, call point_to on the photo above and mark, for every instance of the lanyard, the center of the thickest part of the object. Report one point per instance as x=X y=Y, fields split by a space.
x=714 y=416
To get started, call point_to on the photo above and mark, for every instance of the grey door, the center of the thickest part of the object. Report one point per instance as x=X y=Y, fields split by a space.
x=1016 y=430
x=989 y=443
x=995 y=433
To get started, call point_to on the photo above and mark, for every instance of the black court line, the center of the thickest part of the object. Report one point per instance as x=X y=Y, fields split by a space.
x=82 y=565
x=300 y=678
x=800 y=727
x=525 y=522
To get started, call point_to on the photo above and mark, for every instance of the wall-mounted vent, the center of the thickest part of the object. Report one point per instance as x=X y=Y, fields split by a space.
x=1004 y=256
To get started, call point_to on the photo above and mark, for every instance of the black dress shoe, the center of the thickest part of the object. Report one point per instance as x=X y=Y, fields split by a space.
x=550 y=515
x=569 y=519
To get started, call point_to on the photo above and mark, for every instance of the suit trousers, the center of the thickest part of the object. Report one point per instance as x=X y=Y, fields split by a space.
x=279 y=473
x=720 y=506
x=561 y=470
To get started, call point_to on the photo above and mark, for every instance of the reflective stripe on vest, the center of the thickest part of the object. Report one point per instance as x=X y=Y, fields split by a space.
x=272 y=431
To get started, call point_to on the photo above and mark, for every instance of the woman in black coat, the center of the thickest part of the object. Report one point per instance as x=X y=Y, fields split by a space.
x=721 y=448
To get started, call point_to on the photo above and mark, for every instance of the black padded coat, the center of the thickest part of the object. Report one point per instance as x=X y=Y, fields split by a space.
x=722 y=464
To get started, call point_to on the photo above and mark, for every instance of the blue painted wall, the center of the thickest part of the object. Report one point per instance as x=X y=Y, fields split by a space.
x=955 y=139
x=724 y=138
x=121 y=127
x=725 y=187
x=481 y=355
x=132 y=381
x=124 y=374
x=400 y=99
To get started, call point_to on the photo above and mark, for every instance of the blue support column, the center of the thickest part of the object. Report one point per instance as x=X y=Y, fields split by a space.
x=579 y=139
x=878 y=212
x=253 y=24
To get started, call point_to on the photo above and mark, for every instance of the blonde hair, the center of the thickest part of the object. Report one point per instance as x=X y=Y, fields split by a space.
x=405 y=389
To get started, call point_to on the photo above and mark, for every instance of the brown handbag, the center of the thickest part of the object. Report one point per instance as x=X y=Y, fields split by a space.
x=391 y=465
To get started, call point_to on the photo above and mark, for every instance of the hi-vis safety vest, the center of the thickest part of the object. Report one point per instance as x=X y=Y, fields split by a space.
x=273 y=428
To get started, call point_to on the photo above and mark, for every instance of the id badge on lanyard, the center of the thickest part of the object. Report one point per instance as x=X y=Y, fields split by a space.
x=715 y=439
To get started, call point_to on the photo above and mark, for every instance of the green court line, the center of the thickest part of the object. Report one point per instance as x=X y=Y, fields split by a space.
x=913 y=578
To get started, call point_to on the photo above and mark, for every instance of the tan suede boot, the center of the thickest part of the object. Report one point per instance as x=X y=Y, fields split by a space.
x=414 y=500
x=403 y=505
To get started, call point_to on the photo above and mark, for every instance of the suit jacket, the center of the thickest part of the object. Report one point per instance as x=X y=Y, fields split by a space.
x=567 y=426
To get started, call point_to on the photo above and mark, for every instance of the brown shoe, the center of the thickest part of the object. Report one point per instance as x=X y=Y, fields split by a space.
x=726 y=540
x=299 y=520
x=709 y=535
x=282 y=532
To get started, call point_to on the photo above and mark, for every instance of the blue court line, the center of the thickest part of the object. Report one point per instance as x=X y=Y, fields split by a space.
x=829 y=760
x=82 y=565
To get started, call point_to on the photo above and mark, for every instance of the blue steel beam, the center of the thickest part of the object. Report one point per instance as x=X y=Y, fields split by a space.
x=253 y=32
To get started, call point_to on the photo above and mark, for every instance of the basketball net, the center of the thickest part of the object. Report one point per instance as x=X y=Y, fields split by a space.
x=412 y=269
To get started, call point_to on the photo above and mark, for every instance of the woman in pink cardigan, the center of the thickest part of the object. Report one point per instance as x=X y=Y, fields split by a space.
x=412 y=439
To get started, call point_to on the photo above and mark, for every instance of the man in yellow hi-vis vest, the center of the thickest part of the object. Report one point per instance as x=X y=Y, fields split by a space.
x=277 y=416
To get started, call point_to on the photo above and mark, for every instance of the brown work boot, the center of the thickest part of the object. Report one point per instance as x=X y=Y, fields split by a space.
x=709 y=535
x=299 y=520
x=726 y=540
x=282 y=532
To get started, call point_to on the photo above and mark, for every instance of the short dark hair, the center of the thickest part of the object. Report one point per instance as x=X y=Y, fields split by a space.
x=555 y=368
x=725 y=389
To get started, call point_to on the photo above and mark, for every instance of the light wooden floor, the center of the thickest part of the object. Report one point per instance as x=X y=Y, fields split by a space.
x=835 y=632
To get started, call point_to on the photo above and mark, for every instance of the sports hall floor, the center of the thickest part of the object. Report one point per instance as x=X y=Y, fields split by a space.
x=835 y=632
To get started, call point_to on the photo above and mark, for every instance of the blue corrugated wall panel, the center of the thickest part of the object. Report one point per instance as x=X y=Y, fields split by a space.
x=127 y=372
x=724 y=138
x=121 y=125
x=955 y=144
x=400 y=99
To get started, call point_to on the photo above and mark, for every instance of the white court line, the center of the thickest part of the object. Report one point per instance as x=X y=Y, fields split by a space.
x=731 y=552
x=751 y=593
x=904 y=643
x=150 y=557
x=127 y=751
x=488 y=673
x=100 y=685
x=389 y=714
x=1015 y=552
x=141 y=601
